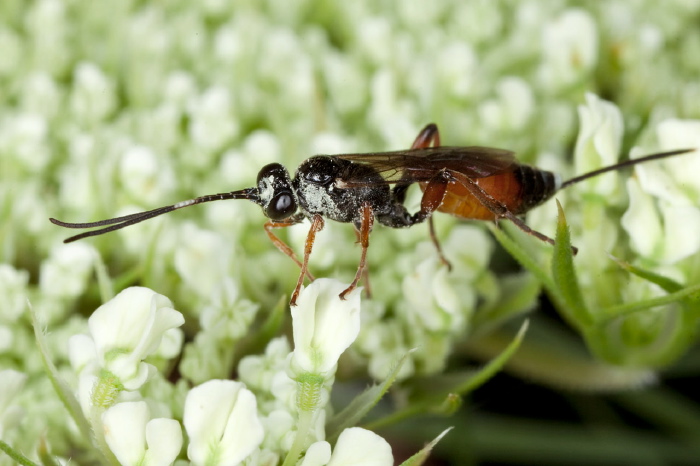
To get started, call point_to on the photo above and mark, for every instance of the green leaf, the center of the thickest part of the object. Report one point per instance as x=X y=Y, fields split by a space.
x=524 y=258
x=441 y=399
x=420 y=457
x=45 y=455
x=665 y=283
x=363 y=403
x=103 y=280
x=564 y=275
x=15 y=455
x=64 y=392
x=495 y=365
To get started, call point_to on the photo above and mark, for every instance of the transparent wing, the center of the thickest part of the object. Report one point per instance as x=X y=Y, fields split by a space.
x=420 y=165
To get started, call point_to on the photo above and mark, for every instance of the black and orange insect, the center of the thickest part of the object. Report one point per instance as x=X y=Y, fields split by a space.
x=480 y=183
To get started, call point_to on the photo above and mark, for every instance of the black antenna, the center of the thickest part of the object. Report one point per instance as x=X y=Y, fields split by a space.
x=122 y=222
x=626 y=163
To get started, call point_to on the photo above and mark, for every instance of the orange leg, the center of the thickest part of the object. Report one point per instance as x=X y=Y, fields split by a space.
x=281 y=245
x=366 y=221
x=498 y=209
x=316 y=226
x=430 y=136
x=365 y=275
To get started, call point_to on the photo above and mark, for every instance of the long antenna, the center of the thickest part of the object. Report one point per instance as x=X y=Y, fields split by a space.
x=626 y=163
x=122 y=222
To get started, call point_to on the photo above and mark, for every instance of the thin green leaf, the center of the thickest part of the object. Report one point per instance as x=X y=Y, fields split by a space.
x=444 y=396
x=495 y=365
x=523 y=257
x=62 y=390
x=564 y=274
x=103 y=280
x=15 y=455
x=419 y=458
x=665 y=283
x=690 y=293
x=44 y=454
x=363 y=403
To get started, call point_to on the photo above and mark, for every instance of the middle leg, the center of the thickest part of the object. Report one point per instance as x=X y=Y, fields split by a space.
x=366 y=222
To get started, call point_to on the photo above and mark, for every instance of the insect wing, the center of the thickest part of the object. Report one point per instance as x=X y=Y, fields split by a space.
x=421 y=165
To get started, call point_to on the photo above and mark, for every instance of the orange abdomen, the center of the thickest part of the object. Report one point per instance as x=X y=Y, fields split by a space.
x=519 y=190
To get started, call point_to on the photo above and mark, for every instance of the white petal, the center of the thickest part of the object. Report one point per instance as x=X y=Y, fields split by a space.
x=681 y=224
x=221 y=421
x=641 y=220
x=81 y=351
x=130 y=327
x=357 y=446
x=244 y=431
x=318 y=454
x=324 y=325
x=164 y=439
x=125 y=431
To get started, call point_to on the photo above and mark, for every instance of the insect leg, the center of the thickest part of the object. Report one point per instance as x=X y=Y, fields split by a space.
x=430 y=136
x=498 y=209
x=365 y=274
x=316 y=226
x=366 y=221
x=281 y=245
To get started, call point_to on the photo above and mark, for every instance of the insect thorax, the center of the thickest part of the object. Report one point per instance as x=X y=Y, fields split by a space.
x=337 y=188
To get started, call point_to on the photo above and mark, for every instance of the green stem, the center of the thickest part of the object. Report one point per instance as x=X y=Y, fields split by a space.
x=308 y=400
x=15 y=455
x=615 y=312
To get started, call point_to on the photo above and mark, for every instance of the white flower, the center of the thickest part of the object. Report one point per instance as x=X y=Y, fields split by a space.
x=512 y=108
x=65 y=273
x=136 y=439
x=93 y=96
x=355 y=446
x=570 y=45
x=13 y=289
x=222 y=422
x=324 y=326
x=663 y=215
x=212 y=124
x=227 y=316
x=202 y=259
x=144 y=176
x=130 y=327
x=431 y=298
x=23 y=142
x=598 y=143
x=11 y=384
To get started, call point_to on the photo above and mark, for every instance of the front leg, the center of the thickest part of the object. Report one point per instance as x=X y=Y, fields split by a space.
x=281 y=245
x=316 y=226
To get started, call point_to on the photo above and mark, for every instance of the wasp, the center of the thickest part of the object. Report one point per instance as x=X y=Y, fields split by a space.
x=474 y=182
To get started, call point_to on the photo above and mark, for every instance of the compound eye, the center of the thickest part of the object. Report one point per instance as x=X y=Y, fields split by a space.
x=281 y=206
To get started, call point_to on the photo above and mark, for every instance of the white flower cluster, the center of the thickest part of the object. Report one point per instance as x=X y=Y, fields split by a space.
x=224 y=422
